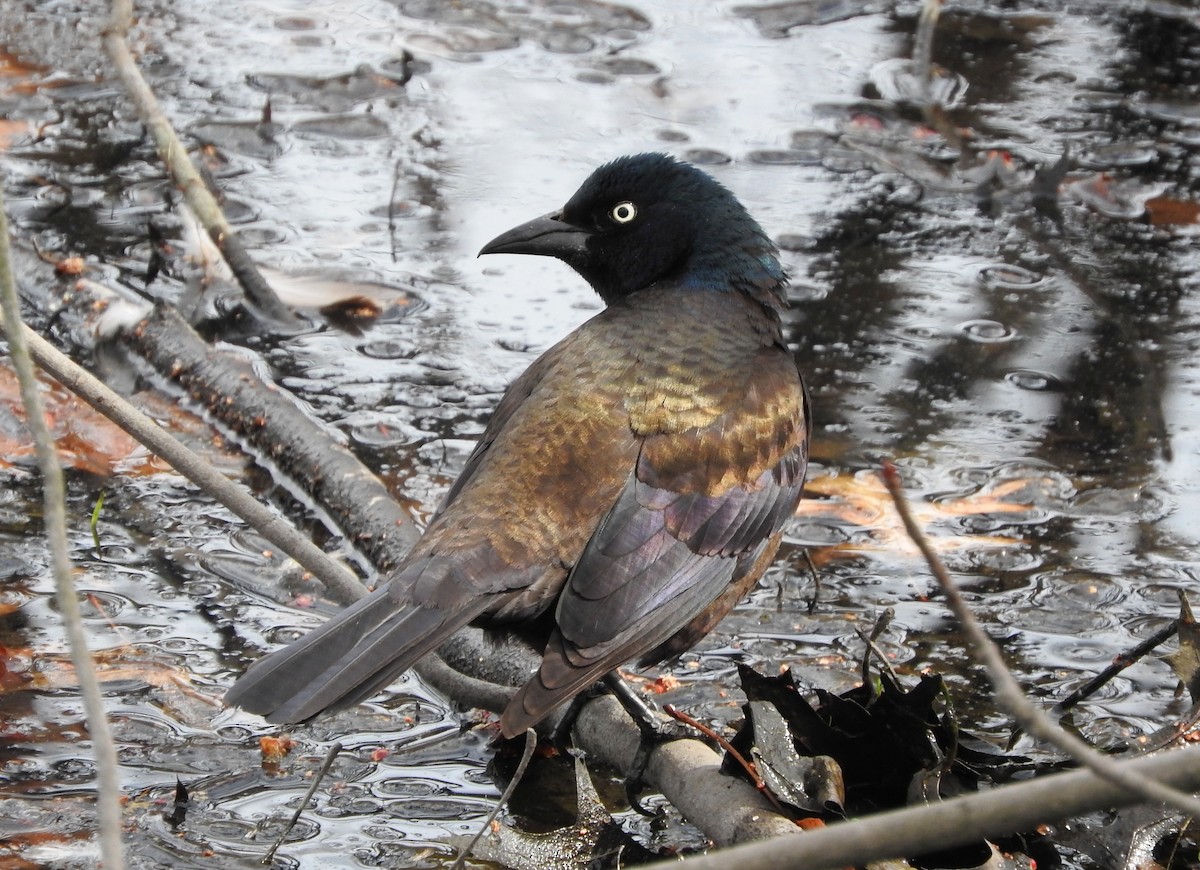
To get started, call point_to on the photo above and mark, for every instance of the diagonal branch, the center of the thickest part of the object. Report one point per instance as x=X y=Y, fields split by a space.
x=108 y=781
x=161 y=443
x=1009 y=694
x=956 y=822
x=187 y=178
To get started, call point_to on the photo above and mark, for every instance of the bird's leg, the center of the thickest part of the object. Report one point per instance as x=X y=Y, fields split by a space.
x=655 y=730
x=561 y=735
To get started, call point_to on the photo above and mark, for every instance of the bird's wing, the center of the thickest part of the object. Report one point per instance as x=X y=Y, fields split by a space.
x=699 y=509
x=493 y=544
x=516 y=394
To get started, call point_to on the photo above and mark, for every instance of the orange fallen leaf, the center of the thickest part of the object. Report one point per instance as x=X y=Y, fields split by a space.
x=662 y=685
x=11 y=130
x=85 y=439
x=18 y=843
x=274 y=749
x=18 y=76
x=993 y=500
x=861 y=500
x=70 y=266
x=54 y=671
x=1166 y=210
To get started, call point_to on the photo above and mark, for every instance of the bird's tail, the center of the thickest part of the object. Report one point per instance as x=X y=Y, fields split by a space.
x=350 y=657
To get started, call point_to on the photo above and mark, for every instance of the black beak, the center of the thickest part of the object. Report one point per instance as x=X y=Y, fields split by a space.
x=547 y=236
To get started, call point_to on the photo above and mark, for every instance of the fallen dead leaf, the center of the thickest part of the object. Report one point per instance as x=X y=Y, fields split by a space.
x=51 y=671
x=662 y=685
x=85 y=439
x=11 y=130
x=1167 y=211
x=17 y=76
x=274 y=749
x=862 y=500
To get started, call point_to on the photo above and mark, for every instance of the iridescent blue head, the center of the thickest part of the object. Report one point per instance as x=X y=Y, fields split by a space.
x=651 y=220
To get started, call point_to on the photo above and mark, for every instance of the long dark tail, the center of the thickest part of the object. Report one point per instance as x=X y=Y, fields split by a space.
x=350 y=657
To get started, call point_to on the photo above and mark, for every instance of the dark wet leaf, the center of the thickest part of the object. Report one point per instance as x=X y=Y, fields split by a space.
x=179 y=809
x=978 y=856
x=894 y=748
x=250 y=138
x=352 y=314
x=1047 y=180
x=1169 y=842
x=347 y=126
x=886 y=744
x=812 y=783
x=154 y=265
x=1186 y=660
x=594 y=840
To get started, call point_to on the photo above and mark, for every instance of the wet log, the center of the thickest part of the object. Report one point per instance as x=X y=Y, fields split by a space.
x=272 y=422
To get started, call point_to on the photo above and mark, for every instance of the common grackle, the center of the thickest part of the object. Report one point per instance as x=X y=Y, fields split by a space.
x=633 y=482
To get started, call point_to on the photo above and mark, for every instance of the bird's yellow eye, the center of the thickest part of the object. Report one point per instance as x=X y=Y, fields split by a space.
x=623 y=212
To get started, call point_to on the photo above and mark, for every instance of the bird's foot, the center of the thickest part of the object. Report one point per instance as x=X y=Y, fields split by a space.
x=655 y=730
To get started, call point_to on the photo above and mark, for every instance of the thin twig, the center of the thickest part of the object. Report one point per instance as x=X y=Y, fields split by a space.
x=531 y=741
x=1119 y=663
x=922 y=59
x=108 y=781
x=746 y=764
x=162 y=444
x=816 y=578
x=1009 y=694
x=189 y=181
x=690 y=721
x=879 y=628
x=312 y=789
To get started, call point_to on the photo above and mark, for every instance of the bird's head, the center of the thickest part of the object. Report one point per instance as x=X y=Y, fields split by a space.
x=647 y=219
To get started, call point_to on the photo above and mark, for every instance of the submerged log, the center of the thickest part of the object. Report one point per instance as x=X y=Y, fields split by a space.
x=272 y=422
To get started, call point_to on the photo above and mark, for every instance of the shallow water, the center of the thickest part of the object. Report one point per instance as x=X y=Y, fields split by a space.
x=1031 y=373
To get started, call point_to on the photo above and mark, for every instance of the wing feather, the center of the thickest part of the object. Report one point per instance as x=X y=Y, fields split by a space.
x=653 y=569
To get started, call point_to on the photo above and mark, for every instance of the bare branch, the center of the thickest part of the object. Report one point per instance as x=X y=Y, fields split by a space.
x=108 y=781
x=956 y=822
x=187 y=178
x=160 y=442
x=1009 y=694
